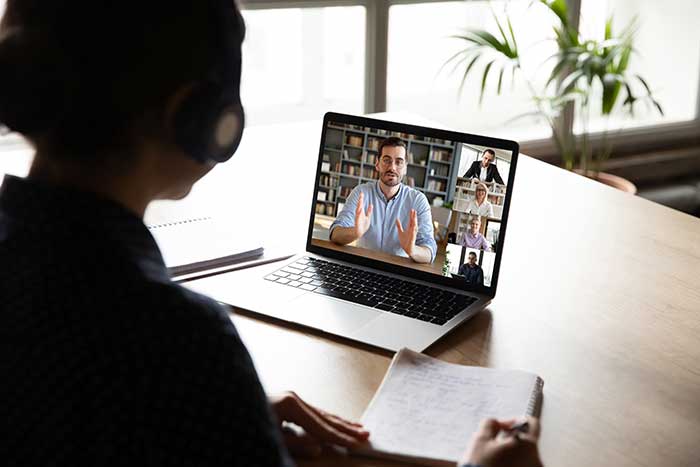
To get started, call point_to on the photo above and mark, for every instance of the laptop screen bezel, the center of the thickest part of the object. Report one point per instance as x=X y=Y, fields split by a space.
x=466 y=138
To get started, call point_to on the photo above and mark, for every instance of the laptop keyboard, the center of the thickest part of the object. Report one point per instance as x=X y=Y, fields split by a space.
x=384 y=293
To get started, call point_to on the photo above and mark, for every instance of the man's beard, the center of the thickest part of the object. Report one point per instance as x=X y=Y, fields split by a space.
x=390 y=181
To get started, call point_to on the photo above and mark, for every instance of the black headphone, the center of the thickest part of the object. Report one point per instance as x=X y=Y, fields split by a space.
x=209 y=123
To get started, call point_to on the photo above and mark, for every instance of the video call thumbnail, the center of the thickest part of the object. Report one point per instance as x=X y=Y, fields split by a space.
x=412 y=200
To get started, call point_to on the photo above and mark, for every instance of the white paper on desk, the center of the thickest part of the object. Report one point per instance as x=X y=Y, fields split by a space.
x=197 y=244
x=426 y=410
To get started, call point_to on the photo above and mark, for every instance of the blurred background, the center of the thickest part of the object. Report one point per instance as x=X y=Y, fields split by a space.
x=303 y=58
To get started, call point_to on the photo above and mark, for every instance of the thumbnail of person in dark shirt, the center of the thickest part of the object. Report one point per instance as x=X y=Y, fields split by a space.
x=472 y=272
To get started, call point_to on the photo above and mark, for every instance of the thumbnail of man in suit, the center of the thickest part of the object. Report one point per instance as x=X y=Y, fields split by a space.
x=472 y=272
x=485 y=170
x=397 y=219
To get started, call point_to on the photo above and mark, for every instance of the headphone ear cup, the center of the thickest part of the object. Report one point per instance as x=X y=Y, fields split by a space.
x=208 y=126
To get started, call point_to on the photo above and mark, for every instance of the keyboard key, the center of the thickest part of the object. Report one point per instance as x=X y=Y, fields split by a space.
x=294 y=277
x=412 y=314
x=305 y=280
x=316 y=282
x=384 y=307
x=439 y=321
x=307 y=274
x=331 y=293
x=300 y=267
x=271 y=277
x=282 y=280
x=390 y=302
x=427 y=318
x=280 y=274
x=294 y=283
x=289 y=270
x=308 y=287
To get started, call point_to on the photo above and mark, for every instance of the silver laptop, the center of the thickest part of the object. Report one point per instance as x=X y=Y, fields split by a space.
x=405 y=236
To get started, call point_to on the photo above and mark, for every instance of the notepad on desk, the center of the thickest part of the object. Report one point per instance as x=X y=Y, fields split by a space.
x=202 y=244
x=426 y=410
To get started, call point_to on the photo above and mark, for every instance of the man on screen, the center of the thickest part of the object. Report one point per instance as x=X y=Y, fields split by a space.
x=486 y=170
x=472 y=272
x=396 y=219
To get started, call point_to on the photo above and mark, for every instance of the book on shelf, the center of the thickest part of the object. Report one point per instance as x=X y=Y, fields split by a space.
x=197 y=244
x=345 y=191
x=325 y=166
x=441 y=155
x=425 y=410
x=354 y=140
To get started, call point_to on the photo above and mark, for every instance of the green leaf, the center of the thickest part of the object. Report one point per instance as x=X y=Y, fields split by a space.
x=644 y=83
x=466 y=53
x=500 y=29
x=611 y=89
x=608 y=28
x=487 y=69
x=570 y=80
x=491 y=40
x=556 y=71
x=559 y=8
x=512 y=36
x=466 y=72
x=500 y=81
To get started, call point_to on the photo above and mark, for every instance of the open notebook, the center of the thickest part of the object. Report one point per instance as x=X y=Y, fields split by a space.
x=199 y=244
x=426 y=410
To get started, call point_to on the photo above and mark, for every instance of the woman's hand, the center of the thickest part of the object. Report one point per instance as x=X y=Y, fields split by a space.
x=487 y=449
x=319 y=427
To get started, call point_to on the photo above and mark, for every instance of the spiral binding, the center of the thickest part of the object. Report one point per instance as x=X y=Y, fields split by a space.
x=172 y=224
x=535 y=396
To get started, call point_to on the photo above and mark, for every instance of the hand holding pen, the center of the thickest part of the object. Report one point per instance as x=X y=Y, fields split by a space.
x=504 y=443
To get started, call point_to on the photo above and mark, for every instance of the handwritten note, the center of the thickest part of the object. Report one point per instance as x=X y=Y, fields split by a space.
x=428 y=409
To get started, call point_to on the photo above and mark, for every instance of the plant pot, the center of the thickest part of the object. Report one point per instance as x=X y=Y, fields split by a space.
x=611 y=180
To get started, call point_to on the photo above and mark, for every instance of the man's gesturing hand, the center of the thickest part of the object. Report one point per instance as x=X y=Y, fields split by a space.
x=362 y=219
x=319 y=427
x=407 y=238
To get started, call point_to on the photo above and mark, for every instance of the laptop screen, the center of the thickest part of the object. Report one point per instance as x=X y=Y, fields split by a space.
x=424 y=202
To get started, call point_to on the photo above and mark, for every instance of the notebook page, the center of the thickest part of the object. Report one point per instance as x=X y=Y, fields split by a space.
x=428 y=409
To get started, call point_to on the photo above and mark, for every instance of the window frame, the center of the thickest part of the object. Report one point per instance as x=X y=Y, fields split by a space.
x=674 y=140
x=667 y=143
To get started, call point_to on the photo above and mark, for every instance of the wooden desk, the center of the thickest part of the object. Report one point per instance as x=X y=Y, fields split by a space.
x=599 y=294
x=435 y=267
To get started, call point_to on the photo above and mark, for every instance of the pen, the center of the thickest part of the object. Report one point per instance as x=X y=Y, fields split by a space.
x=518 y=428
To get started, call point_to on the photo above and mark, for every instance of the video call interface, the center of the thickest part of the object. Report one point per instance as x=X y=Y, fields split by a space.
x=412 y=200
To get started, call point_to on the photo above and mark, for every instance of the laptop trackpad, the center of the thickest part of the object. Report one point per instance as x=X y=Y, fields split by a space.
x=330 y=314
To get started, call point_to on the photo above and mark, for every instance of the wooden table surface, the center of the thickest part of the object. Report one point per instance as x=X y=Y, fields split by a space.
x=599 y=294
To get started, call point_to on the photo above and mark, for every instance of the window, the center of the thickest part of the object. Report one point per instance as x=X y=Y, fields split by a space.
x=299 y=63
x=668 y=45
x=419 y=45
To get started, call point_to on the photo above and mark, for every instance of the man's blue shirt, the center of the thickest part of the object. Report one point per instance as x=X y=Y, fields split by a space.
x=383 y=234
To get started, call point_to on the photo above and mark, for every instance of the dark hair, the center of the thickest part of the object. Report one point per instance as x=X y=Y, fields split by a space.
x=472 y=253
x=493 y=153
x=392 y=142
x=79 y=75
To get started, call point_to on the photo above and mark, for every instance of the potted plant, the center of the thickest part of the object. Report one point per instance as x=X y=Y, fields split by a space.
x=579 y=70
